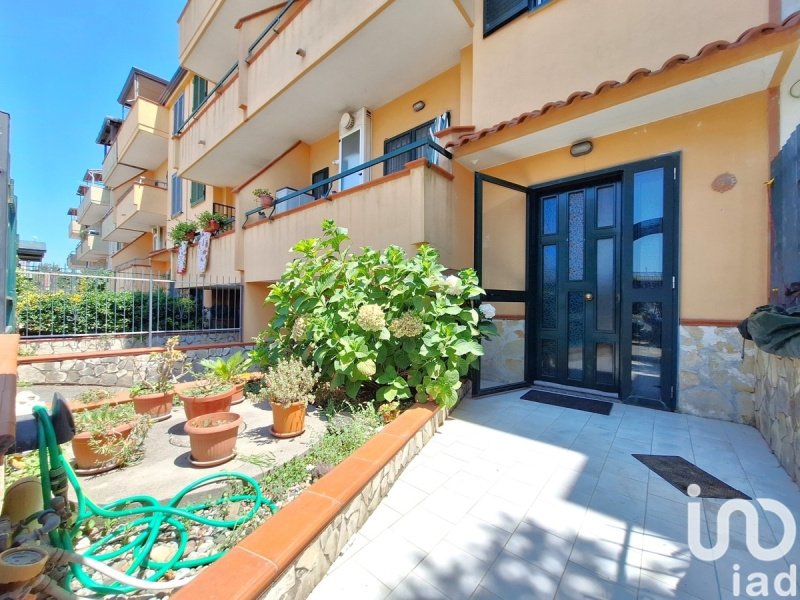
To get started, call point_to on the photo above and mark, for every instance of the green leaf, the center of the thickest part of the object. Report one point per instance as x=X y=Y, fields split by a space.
x=462 y=347
x=352 y=388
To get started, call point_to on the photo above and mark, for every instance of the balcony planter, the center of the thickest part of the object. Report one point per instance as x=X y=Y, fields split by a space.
x=207 y=398
x=265 y=197
x=212 y=438
x=212 y=227
x=157 y=406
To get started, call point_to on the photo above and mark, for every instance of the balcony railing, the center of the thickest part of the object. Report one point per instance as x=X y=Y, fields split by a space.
x=430 y=152
x=235 y=66
x=229 y=212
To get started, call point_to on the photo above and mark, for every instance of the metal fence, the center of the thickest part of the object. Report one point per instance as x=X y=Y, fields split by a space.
x=77 y=304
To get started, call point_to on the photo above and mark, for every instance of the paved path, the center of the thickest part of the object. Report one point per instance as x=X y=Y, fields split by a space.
x=514 y=499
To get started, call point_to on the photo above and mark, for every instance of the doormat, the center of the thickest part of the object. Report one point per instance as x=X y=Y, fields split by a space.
x=679 y=472
x=585 y=404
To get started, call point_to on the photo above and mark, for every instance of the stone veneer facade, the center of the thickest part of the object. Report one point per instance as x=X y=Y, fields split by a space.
x=777 y=407
x=94 y=343
x=713 y=379
x=114 y=371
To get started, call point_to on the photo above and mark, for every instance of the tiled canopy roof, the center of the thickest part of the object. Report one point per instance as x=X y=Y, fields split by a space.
x=751 y=34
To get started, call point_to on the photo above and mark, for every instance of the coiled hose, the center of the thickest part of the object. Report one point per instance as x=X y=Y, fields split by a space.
x=147 y=519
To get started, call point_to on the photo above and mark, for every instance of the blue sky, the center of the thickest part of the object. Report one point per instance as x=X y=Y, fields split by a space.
x=62 y=66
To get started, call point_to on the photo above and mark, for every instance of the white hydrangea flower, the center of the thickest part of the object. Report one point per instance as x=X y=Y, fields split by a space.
x=299 y=329
x=488 y=311
x=453 y=286
x=406 y=325
x=371 y=317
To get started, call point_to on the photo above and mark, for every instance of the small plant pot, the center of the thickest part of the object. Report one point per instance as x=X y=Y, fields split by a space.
x=238 y=394
x=190 y=237
x=212 y=438
x=212 y=227
x=195 y=406
x=288 y=421
x=267 y=201
x=90 y=462
x=157 y=406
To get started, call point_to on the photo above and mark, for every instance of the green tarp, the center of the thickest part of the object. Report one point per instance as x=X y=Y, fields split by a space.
x=774 y=329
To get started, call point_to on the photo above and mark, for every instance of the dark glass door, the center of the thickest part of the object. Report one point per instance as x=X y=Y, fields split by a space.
x=577 y=316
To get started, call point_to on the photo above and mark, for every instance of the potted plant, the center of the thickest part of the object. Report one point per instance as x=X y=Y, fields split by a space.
x=107 y=437
x=264 y=196
x=153 y=395
x=212 y=438
x=206 y=397
x=184 y=231
x=289 y=386
x=231 y=370
x=211 y=222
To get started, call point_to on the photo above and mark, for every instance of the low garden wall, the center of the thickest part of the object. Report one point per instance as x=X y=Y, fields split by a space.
x=289 y=554
x=113 y=368
x=777 y=407
x=96 y=343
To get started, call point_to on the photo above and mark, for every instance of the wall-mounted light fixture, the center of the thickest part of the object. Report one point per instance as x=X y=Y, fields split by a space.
x=300 y=52
x=581 y=148
x=418 y=105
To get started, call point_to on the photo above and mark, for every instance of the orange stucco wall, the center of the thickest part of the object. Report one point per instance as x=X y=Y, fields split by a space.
x=522 y=65
x=723 y=241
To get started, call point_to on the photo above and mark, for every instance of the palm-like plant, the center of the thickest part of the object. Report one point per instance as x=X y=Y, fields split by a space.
x=227 y=370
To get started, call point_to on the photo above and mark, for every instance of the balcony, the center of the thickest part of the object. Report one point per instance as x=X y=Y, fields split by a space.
x=413 y=206
x=221 y=261
x=140 y=145
x=207 y=35
x=92 y=249
x=142 y=206
x=74 y=230
x=110 y=232
x=289 y=97
x=94 y=204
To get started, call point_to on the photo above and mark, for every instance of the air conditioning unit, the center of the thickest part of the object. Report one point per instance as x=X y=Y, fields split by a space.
x=355 y=135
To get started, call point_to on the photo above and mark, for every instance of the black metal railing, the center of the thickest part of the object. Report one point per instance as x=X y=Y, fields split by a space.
x=235 y=66
x=229 y=212
x=431 y=148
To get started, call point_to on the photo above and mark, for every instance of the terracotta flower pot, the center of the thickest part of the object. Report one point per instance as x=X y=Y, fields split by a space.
x=212 y=438
x=212 y=226
x=238 y=394
x=197 y=406
x=288 y=421
x=266 y=201
x=157 y=406
x=90 y=461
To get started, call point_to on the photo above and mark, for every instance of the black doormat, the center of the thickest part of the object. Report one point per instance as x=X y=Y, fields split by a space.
x=586 y=404
x=679 y=472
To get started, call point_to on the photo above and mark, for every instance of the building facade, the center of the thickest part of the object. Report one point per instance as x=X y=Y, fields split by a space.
x=604 y=166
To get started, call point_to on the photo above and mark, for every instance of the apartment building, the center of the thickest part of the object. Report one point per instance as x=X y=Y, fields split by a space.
x=604 y=166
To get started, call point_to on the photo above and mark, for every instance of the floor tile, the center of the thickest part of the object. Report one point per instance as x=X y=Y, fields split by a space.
x=512 y=578
x=452 y=570
x=478 y=538
x=541 y=548
x=579 y=583
x=389 y=557
x=414 y=587
x=353 y=581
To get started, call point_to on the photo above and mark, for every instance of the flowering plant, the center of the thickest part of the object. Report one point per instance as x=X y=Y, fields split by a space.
x=376 y=320
x=289 y=382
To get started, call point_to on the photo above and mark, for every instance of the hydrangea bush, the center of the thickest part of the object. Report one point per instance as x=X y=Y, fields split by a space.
x=379 y=319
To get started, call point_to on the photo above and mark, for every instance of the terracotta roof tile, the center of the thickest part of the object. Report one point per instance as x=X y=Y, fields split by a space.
x=679 y=59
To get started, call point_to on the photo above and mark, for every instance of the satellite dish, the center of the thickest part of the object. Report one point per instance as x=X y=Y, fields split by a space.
x=347 y=121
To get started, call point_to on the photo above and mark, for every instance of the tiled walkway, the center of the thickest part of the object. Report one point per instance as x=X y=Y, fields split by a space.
x=514 y=499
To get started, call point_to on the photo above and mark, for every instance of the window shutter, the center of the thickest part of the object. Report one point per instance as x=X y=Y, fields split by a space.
x=497 y=13
x=199 y=91
x=177 y=115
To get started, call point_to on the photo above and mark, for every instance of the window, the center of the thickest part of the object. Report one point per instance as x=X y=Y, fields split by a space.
x=497 y=13
x=199 y=91
x=178 y=116
x=316 y=177
x=197 y=193
x=397 y=163
x=177 y=196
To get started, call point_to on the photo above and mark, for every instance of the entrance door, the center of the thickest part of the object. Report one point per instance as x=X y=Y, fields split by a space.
x=578 y=287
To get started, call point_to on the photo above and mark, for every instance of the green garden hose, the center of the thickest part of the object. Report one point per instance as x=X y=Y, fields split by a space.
x=146 y=517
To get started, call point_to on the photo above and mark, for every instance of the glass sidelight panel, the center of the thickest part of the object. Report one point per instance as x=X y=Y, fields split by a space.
x=606 y=206
x=648 y=227
x=606 y=296
x=575 y=333
x=576 y=207
x=550 y=286
x=503 y=362
x=503 y=237
x=646 y=345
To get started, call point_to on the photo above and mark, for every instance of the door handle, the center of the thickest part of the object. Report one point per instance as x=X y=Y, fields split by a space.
x=588 y=296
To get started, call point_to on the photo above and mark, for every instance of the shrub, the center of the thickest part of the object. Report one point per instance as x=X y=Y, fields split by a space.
x=380 y=319
x=289 y=382
x=182 y=231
